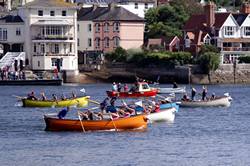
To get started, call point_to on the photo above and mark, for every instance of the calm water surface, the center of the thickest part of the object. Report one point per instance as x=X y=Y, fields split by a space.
x=200 y=136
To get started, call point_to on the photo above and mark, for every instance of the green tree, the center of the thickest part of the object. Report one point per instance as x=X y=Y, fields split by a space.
x=209 y=62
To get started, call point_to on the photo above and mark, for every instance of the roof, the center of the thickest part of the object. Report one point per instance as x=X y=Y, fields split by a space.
x=12 y=19
x=91 y=13
x=240 y=17
x=119 y=14
x=53 y=22
x=112 y=1
x=197 y=22
x=49 y=3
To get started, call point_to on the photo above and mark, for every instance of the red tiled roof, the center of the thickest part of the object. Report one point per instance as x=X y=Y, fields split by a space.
x=198 y=22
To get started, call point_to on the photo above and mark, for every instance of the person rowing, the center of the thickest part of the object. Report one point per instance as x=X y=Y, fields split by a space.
x=193 y=93
x=54 y=97
x=43 y=97
x=204 y=93
x=63 y=113
x=31 y=96
x=104 y=104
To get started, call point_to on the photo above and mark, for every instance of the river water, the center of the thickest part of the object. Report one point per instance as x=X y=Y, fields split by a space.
x=200 y=136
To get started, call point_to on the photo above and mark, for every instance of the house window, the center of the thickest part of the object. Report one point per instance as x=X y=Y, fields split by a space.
x=106 y=42
x=56 y=48
x=78 y=27
x=146 y=6
x=34 y=48
x=187 y=43
x=42 y=47
x=18 y=31
x=38 y=63
x=106 y=27
x=116 y=42
x=97 y=27
x=89 y=27
x=52 y=13
x=97 y=42
x=70 y=47
x=116 y=27
x=136 y=5
x=78 y=42
x=229 y=31
x=64 y=13
x=40 y=13
x=247 y=31
x=53 y=61
x=4 y=34
x=89 y=42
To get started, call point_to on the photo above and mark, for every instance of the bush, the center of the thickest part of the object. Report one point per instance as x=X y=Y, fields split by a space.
x=244 y=59
x=209 y=61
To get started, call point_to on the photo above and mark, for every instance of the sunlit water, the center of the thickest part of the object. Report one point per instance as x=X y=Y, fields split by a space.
x=200 y=136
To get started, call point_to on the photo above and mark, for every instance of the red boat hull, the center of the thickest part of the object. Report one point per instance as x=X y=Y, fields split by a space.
x=151 y=93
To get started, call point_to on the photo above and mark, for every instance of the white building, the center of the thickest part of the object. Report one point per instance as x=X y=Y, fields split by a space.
x=11 y=34
x=50 y=35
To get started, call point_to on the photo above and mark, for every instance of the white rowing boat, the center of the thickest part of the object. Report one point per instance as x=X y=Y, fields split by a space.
x=166 y=115
x=224 y=101
x=172 y=90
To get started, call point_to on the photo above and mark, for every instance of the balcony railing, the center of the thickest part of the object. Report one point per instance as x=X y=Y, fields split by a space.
x=53 y=54
x=235 y=49
x=54 y=37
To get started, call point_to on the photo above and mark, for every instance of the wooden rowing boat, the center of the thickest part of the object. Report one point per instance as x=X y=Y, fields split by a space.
x=130 y=123
x=224 y=101
x=166 y=115
x=80 y=102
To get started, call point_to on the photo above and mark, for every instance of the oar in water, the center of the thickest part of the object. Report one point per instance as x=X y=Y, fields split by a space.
x=112 y=121
x=83 y=129
x=19 y=97
x=95 y=102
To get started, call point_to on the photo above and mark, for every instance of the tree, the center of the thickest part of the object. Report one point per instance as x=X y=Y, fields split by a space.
x=168 y=20
x=209 y=62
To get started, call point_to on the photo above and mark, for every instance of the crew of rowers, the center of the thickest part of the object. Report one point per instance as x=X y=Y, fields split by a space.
x=32 y=96
x=203 y=95
x=113 y=112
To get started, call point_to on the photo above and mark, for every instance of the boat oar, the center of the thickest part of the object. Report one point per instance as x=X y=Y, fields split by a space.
x=112 y=121
x=95 y=102
x=19 y=97
x=81 y=121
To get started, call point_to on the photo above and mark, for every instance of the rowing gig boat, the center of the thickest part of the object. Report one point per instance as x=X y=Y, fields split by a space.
x=224 y=101
x=166 y=115
x=129 y=123
x=80 y=102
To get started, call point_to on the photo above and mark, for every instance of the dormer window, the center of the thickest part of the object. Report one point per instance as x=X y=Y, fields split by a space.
x=247 y=31
x=40 y=13
x=207 y=40
x=229 y=31
x=146 y=6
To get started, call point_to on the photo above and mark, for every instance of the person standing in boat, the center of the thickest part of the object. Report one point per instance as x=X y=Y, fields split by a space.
x=193 y=93
x=63 y=113
x=114 y=87
x=104 y=104
x=204 y=93
x=119 y=87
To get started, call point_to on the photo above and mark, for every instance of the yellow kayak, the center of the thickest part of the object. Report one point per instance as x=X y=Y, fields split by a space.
x=79 y=102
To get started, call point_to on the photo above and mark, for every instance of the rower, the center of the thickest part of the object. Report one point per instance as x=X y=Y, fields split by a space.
x=43 y=97
x=73 y=95
x=104 y=104
x=32 y=96
x=114 y=87
x=63 y=113
x=63 y=97
x=175 y=85
x=54 y=97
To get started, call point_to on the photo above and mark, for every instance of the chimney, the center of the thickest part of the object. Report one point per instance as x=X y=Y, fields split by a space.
x=209 y=9
x=245 y=8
